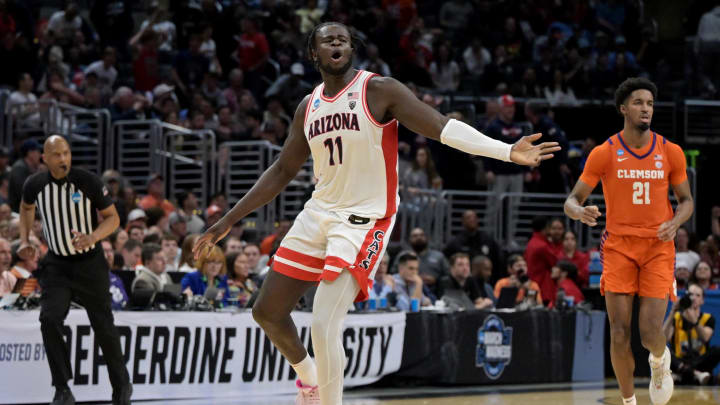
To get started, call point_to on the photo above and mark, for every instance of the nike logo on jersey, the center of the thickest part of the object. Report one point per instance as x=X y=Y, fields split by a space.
x=334 y=122
x=622 y=159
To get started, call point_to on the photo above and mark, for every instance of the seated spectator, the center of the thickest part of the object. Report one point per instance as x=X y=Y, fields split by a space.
x=233 y=244
x=580 y=259
x=118 y=239
x=131 y=253
x=240 y=286
x=384 y=283
x=137 y=217
x=433 y=264
x=28 y=164
x=459 y=279
x=212 y=270
x=257 y=261
x=409 y=285
x=171 y=251
x=178 y=225
x=702 y=276
x=125 y=105
x=105 y=69
x=682 y=277
x=541 y=256
x=28 y=112
x=474 y=242
x=564 y=273
x=156 y=195
x=517 y=277
x=213 y=213
x=270 y=244
x=151 y=275
x=481 y=269
x=290 y=87
x=444 y=70
x=7 y=279
x=136 y=232
x=188 y=206
x=420 y=174
x=187 y=257
x=559 y=93
x=24 y=268
x=190 y=66
x=689 y=331
x=118 y=295
x=684 y=257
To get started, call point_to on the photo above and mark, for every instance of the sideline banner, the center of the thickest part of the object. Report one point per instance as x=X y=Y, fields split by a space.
x=174 y=355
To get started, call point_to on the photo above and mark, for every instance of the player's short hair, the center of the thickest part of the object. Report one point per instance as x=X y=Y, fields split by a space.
x=459 y=255
x=406 y=257
x=355 y=40
x=629 y=85
x=148 y=251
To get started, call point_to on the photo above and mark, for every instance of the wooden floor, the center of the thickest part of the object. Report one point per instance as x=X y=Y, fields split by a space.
x=574 y=394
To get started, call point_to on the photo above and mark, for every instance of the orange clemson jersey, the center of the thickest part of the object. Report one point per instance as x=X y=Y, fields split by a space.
x=636 y=183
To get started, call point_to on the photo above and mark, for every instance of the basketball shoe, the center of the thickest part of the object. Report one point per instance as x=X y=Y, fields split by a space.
x=307 y=395
x=661 y=381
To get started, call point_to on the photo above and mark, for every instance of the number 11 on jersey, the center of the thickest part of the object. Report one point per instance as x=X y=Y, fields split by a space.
x=641 y=189
x=329 y=144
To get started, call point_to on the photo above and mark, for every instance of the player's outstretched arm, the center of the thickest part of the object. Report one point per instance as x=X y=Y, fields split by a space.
x=393 y=98
x=683 y=212
x=574 y=205
x=294 y=154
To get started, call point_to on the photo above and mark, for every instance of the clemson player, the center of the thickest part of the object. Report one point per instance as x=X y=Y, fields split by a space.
x=636 y=166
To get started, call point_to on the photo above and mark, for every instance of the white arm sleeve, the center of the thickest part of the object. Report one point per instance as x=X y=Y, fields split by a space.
x=462 y=136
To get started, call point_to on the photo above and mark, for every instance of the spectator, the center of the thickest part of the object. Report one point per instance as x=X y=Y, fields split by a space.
x=24 y=268
x=208 y=48
x=564 y=274
x=113 y=20
x=188 y=208
x=210 y=90
x=422 y=171
x=474 y=242
x=554 y=173
x=190 y=67
x=22 y=169
x=137 y=217
x=256 y=260
x=684 y=257
x=234 y=93
x=146 y=62
x=556 y=235
x=559 y=94
x=252 y=53
x=4 y=188
x=454 y=16
x=118 y=295
x=105 y=69
x=233 y=244
x=28 y=111
x=131 y=253
x=125 y=105
x=156 y=195
x=689 y=331
x=56 y=88
x=481 y=269
x=384 y=283
x=409 y=285
x=459 y=279
x=212 y=270
x=240 y=286
x=171 y=252
x=541 y=256
x=702 y=276
x=64 y=23
x=290 y=87
x=476 y=57
x=682 y=277
x=151 y=275
x=7 y=279
x=310 y=16
x=433 y=264
x=445 y=71
x=373 y=62
x=580 y=259
x=517 y=271
x=187 y=257
x=136 y=232
x=118 y=239
x=270 y=244
x=161 y=25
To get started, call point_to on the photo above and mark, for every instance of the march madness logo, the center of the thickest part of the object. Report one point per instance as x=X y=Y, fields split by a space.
x=494 y=347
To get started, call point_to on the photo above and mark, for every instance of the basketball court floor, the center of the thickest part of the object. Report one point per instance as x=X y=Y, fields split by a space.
x=544 y=394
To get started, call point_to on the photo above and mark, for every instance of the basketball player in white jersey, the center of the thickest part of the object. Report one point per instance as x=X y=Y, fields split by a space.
x=349 y=125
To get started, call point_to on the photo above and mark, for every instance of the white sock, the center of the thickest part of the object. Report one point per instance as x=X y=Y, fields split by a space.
x=331 y=304
x=656 y=361
x=306 y=371
x=630 y=401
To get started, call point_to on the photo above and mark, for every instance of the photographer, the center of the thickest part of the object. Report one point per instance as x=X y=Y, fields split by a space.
x=517 y=277
x=688 y=330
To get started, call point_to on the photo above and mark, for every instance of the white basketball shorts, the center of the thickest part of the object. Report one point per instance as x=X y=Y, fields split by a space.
x=321 y=244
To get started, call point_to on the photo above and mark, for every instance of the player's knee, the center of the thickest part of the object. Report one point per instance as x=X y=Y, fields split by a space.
x=620 y=334
x=649 y=334
x=262 y=316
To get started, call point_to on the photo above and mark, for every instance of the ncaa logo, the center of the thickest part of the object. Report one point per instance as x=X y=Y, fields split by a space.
x=620 y=152
x=494 y=347
x=75 y=197
x=316 y=104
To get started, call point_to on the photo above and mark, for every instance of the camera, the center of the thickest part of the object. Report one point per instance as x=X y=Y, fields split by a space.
x=522 y=277
x=684 y=303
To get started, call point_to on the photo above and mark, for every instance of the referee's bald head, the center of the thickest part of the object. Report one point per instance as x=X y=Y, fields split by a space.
x=54 y=141
x=57 y=156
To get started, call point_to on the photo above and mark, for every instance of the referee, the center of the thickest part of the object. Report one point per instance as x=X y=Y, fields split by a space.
x=74 y=267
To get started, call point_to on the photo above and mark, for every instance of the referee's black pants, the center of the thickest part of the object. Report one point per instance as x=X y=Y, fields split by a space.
x=87 y=282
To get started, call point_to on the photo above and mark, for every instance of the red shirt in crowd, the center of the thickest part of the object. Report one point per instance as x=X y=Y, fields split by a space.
x=541 y=256
x=571 y=290
x=145 y=69
x=581 y=260
x=252 y=49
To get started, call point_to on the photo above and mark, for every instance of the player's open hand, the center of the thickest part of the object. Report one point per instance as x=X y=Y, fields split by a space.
x=590 y=214
x=525 y=153
x=666 y=231
x=208 y=239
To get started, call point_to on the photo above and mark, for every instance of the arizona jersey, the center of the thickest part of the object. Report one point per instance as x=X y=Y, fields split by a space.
x=636 y=183
x=354 y=156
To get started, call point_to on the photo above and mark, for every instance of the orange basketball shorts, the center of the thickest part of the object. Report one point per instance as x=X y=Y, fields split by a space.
x=635 y=265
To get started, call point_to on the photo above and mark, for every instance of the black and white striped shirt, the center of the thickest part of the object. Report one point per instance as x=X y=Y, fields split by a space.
x=65 y=205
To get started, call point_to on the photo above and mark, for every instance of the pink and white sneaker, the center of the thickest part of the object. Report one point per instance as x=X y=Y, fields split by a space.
x=307 y=395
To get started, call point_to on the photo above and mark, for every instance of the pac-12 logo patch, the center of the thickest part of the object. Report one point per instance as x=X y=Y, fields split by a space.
x=75 y=197
x=494 y=347
x=316 y=104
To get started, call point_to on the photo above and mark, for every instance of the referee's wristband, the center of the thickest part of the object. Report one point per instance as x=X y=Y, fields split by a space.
x=462 y=136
